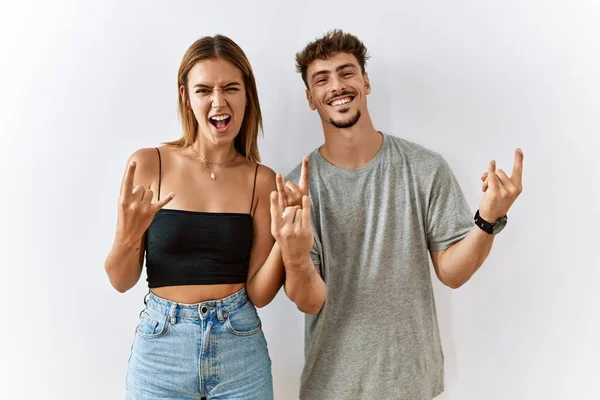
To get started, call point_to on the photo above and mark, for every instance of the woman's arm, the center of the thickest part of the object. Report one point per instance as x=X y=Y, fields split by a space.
x=136 y=209
x=266 y=273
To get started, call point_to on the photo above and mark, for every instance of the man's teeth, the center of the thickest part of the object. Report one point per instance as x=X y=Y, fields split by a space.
x=341 y=101
x=220 y=117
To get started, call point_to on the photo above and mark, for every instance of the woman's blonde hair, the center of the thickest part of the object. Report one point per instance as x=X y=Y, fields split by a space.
x=220 y=47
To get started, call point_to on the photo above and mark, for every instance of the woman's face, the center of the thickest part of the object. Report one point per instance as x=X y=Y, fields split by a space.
x=217 y=97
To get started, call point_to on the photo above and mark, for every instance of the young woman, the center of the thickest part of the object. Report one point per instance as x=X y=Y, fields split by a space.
x=199 y=210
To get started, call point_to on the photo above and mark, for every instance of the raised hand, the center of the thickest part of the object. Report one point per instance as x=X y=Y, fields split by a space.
x=291 y=225
x=500 y=191
x=294 y=193
x=136 y=208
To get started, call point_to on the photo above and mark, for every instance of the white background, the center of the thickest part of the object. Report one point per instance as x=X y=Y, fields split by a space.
x=84 y=84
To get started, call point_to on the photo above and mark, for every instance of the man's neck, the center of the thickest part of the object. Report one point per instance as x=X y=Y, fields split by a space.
x=352 y=147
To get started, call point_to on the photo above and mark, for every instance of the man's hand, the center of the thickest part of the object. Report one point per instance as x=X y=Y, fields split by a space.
x=500 y=191
x=291 y=225
x=294 y=193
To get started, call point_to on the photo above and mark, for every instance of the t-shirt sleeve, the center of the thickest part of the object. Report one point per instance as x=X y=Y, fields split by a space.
x=294 y=175
x=449 y=217
x=315 y=255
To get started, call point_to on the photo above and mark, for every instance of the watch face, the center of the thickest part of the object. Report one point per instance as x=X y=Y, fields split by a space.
x=499 y=225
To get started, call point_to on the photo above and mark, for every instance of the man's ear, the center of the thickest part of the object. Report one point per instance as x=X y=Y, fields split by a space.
x=367 y=83
x=309 y=98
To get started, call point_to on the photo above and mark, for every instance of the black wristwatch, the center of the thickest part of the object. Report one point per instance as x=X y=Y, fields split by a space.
x=491 y=228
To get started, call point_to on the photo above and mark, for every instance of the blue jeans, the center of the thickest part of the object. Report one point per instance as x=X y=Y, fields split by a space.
x=214 y=349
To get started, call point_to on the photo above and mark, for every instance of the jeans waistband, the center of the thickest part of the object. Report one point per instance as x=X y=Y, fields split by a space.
x=198 y=310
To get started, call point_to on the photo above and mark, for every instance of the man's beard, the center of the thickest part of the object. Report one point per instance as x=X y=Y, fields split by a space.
x=346 y=124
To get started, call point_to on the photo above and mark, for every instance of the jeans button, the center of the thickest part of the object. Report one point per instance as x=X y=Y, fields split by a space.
x=204 y=309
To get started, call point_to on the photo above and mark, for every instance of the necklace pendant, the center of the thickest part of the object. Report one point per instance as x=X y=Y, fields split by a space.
x=213 y=176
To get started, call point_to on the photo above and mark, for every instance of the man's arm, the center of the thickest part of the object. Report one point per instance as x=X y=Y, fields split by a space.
x=455 y=265
x=292 y=228
x=304 y=286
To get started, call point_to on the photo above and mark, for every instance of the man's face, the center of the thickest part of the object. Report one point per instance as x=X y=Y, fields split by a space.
x=338 y=89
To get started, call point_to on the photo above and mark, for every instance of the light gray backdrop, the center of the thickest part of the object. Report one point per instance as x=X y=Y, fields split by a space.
x=83 y=84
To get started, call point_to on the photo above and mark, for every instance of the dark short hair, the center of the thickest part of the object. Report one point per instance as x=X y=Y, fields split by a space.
x=332 y=43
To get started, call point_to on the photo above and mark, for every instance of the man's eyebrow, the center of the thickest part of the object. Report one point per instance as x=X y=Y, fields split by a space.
x=337 y=69
x=347 y=65
x=322 y=72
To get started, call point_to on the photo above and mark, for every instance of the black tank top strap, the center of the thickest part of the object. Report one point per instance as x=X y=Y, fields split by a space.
x=254 y=188
x=159 y=171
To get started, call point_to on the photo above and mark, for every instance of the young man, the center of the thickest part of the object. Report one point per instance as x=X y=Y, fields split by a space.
x=379 y=206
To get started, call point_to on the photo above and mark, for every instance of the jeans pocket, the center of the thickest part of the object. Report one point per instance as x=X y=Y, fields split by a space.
x=151 y=325
x=244 y=321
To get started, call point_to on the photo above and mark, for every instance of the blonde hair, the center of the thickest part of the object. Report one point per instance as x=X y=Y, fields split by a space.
x=220 y=47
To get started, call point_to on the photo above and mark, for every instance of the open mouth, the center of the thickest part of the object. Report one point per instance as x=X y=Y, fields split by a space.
x=220 y=122
x=341 y=101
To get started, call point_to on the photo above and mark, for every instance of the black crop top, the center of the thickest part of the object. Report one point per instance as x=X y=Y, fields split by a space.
x=198 y=248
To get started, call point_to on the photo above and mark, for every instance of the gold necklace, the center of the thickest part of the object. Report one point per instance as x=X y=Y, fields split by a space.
x=205 y=161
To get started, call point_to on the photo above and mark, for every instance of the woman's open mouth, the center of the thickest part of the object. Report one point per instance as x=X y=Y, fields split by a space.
x=220 y=122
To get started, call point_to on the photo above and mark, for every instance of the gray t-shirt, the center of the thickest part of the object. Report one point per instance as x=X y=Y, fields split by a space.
x=377 y=335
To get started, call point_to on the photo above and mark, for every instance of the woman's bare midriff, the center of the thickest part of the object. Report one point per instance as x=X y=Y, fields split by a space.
x=192 y=294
